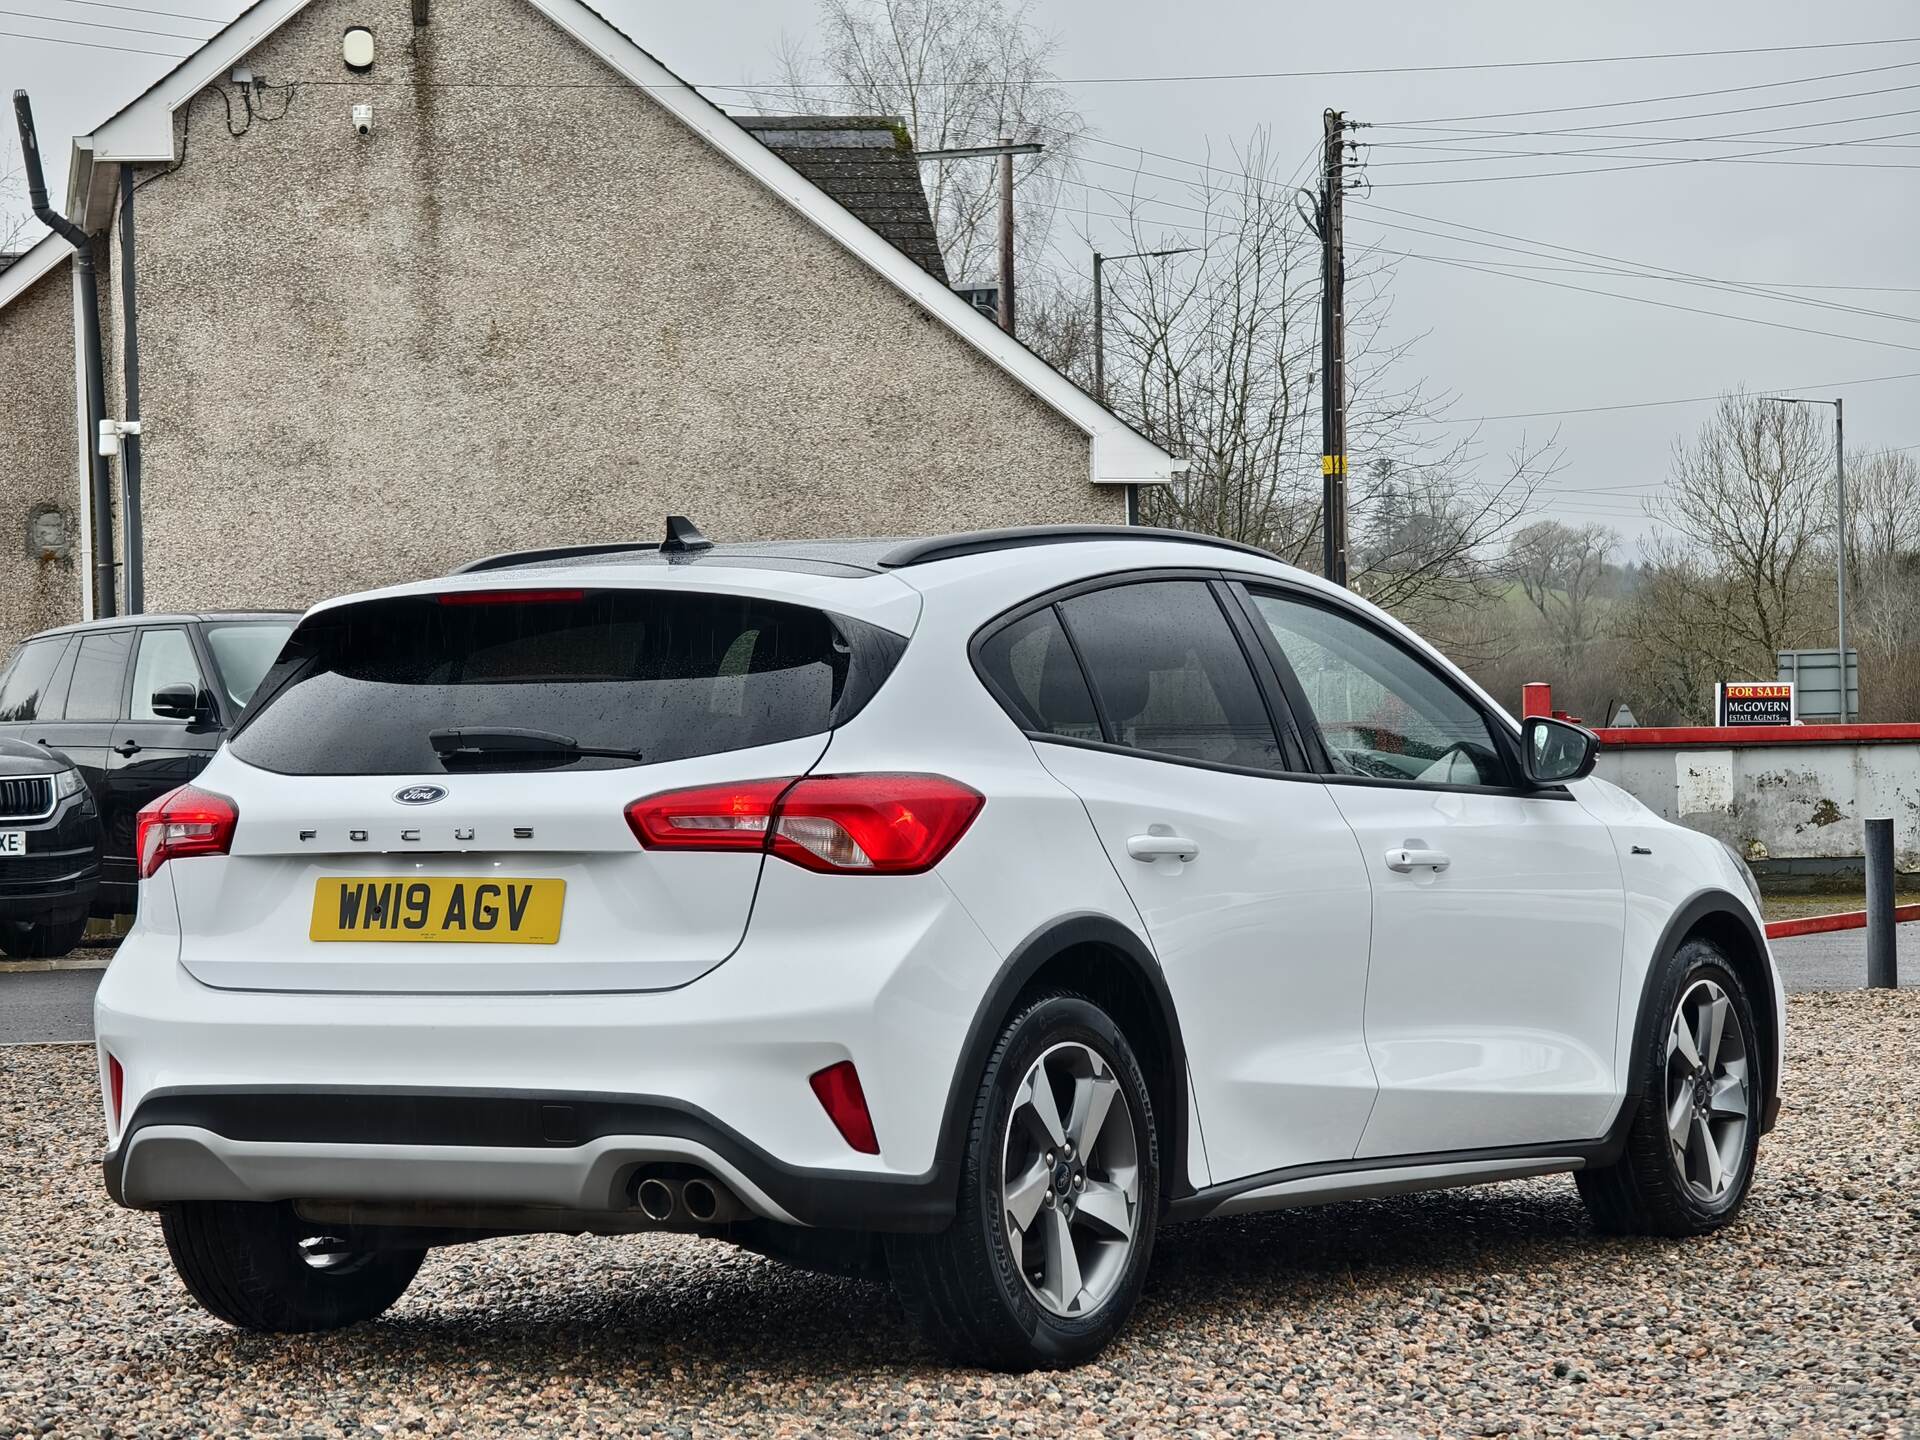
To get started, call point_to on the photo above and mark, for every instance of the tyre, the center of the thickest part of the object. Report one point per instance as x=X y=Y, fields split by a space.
x=1059 y=1199
x=260 y=1267
x=42 y=939
x=1689 y=1156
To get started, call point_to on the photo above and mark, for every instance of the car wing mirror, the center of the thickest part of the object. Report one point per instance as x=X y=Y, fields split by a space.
x=1554 y=752
x=177 y=702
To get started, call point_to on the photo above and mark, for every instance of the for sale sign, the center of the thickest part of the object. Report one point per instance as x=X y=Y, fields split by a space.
x=1754 y=702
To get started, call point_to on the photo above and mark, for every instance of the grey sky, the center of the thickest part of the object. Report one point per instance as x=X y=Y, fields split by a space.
x=1502 y=344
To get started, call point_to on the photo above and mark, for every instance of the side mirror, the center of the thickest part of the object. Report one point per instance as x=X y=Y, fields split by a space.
x=177 y=702
x=1554 y=752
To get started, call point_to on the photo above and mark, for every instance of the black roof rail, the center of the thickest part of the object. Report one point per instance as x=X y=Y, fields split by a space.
x=981 y=542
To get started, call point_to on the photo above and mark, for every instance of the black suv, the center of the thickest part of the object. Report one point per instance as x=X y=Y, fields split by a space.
x=49 y=853
x=138 y=704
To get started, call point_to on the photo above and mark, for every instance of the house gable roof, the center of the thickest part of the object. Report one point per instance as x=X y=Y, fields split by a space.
x=29 y=267
x=142 y=133
x=866 y=162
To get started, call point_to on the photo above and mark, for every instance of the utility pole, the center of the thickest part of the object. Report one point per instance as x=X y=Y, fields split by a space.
x=1840 y=507
x=1333 y=358
x=1005 y=150
x=1006 y=233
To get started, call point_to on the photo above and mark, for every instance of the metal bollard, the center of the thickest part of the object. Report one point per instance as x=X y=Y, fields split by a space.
x=1883 y=970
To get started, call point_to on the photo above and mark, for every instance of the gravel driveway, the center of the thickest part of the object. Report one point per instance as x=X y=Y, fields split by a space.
x=1491 y=1311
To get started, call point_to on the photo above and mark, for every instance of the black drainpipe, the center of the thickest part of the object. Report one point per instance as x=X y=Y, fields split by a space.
x=103 y=599
x=130 y=445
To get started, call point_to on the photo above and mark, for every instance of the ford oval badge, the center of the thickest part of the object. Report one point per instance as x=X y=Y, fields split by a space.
x=420 y=794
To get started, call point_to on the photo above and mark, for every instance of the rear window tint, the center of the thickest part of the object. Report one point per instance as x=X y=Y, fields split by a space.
x=359 y=690
x=1032 y=666
x=24 y=683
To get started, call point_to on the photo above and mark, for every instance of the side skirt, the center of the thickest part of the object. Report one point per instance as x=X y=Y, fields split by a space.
x=1330 y=1181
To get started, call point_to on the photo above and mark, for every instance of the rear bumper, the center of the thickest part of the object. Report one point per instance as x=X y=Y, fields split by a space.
x=556 y=1098
x=571 y=1152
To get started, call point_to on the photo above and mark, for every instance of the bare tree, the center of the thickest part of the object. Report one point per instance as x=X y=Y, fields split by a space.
x=1562 y=570
x=959 y=73
x=16 y=220
x=1748 y=506
x=1215 y=357
x=1056 y=323
x=1677 y=629
x=1883 y=561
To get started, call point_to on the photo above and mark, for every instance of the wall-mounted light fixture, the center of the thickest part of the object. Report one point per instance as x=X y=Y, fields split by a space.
x=356 y=48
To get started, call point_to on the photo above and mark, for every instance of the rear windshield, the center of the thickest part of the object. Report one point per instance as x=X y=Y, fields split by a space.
x=363 y=689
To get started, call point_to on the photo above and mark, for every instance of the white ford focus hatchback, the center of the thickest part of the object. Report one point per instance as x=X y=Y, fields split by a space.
x=955 y=911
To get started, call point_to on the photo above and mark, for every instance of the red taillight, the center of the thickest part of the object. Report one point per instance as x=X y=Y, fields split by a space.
x=707 y=817
x=116 y=1089
x=840 y=1095
x=873 y=824
x=183 y=822
x=881 y=824
x=510 y=597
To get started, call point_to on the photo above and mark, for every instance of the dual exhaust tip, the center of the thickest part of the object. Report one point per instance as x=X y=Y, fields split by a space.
x=667 y=1200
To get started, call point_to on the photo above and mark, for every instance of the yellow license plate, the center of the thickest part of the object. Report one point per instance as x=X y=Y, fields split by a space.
x=489 y=911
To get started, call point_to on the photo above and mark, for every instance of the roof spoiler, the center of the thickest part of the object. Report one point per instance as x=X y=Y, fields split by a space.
x=683 y=538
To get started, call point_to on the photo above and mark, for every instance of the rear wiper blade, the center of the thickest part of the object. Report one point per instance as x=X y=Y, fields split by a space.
x=508 y=740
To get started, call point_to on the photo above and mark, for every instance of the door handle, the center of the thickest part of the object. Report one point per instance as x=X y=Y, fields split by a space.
x=1160 y=847
x=1405 y=859
x=132 y=747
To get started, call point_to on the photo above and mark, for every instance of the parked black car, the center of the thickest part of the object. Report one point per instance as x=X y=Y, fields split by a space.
x=49 y=852
x=137 y=705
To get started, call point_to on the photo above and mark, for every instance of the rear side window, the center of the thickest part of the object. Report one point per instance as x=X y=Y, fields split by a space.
x=1170 y=676
x=99 y=673
x=1032 y=666
x=24 y=686
x=362 y=689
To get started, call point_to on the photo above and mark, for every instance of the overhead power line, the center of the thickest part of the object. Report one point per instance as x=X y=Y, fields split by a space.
x=1646 y=99
x=97 y=25
x=1633 y=269
x=140 y=10
x=1670 y=305
x=1763 y=136
x=1536 y=249
x=1549 y=250
x=92 y=45
x=1388 y=69
x=1753 y=158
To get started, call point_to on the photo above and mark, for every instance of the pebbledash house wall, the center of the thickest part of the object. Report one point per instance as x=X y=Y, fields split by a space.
x=39 y=470
x=531 y=308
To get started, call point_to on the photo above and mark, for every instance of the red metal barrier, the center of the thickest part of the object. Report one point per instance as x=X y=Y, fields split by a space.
x=1536 y=698
x=1839 y=920
x=1729 y=736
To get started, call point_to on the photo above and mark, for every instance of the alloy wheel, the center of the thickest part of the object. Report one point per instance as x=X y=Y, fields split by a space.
x=1709 y=1092
x=1070 y=1180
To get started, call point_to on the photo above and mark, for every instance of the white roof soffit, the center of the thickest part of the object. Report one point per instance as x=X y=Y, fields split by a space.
x=143 y=134
x=32 y=267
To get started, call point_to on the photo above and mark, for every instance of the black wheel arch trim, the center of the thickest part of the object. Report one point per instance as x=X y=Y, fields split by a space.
x=1679 y=925
x=1063 y=933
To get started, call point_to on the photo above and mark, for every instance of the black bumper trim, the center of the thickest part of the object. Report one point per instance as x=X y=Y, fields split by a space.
x=837 y=1199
